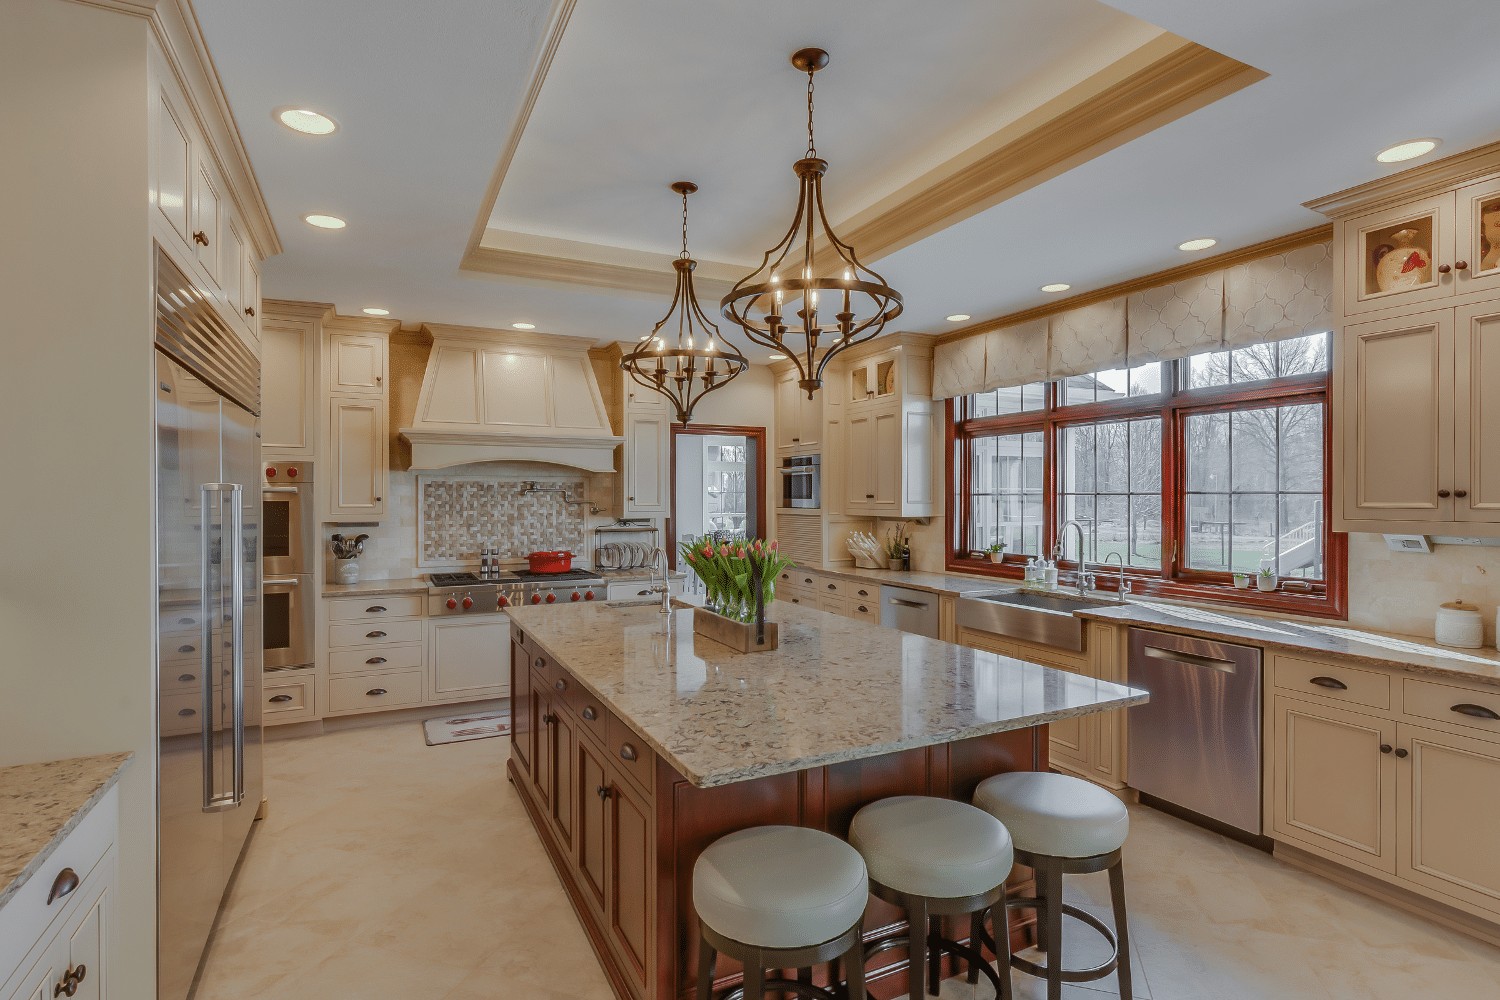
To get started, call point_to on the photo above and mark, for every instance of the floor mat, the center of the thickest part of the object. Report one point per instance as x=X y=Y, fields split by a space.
x=459 y=728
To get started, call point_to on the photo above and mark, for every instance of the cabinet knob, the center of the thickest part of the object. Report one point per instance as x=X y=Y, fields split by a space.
x=631 y=499
x=378 y=499
x=539 y=663
x=1385 y=748
x=1461 y=265
x=1444 y=269
x=278 y=699
x=602 y=792
x=1400 y=753
x=249 y=310
x=1460 y=493
x=1443 y=494
x=375 y=692
x=377 y=378
x=549 y=719
x=627 y=751
x=198 y=237
x=66 y=882
x=561 y=685
x=70 y=981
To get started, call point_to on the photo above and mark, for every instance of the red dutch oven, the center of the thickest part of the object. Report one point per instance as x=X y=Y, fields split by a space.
x=550 y=562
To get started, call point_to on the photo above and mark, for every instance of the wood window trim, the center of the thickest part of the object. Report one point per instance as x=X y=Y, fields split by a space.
x=1329 y=599
x=758 y=435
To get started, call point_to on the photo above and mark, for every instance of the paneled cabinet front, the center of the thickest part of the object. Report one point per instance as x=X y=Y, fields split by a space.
x=647 y=470
x=360 y=456
x=799 y=420
x=1450 y=797
x=466 y=659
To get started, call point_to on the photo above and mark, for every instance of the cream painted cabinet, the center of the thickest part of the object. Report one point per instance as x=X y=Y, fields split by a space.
x=647 y=473
x=888 y=464
x=207 y=209
x=468 y=660
x=249 y=301
x=359 y=456
x=1476 y=412
x=1334 y=781
x=357 y=364
x=288 y=386
x=799 y=420
x=1449 y=794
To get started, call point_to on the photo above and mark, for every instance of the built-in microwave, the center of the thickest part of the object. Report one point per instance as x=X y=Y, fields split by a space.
x=802 y=481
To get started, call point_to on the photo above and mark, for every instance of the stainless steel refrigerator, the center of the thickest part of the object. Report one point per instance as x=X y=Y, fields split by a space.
x=208 y=617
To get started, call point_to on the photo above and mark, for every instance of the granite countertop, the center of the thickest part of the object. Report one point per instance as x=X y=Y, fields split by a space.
x=1381 y=649
x=40 y=804
x=375 y=588
x=837 y=689
x=935 y=583
x=623 y=575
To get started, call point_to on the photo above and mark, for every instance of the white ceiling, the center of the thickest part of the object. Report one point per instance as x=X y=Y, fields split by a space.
x=643 y=93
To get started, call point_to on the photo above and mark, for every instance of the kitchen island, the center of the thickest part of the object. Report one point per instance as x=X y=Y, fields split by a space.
x=636 y=744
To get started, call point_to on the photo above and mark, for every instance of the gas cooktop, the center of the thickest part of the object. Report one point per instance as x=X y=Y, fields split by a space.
x=467 y=579
x=527 y=576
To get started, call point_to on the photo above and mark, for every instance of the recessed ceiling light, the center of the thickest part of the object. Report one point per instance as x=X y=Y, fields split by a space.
x=1191 y=245
x=1407 y=150
x=305 y=121
x=524 y=326
x=1056 y=287
x=324 y=221
x=957 y=317
x=372 y=311
x=776 y=357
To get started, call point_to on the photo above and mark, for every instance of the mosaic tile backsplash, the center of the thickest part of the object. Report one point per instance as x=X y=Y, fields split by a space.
x=459 y=516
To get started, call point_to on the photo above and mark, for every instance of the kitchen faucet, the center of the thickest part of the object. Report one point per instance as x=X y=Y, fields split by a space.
x=665 y=590
x=1124 y=586
x=1085 y=579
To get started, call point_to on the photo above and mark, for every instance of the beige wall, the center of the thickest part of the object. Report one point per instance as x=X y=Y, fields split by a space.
x=77 y=599
x=1401 y=591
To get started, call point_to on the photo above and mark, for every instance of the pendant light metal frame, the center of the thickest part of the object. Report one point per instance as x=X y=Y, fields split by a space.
x=671 y=371
x=766 y=285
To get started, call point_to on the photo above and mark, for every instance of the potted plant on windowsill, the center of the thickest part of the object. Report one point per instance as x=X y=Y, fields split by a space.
x=996 y=552
x=1241 y=581
x=1266 y=579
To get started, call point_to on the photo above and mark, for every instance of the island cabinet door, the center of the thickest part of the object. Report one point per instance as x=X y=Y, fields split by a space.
x=593 y=807
x=542 y=764
x=1450 y=812
x=520 y=723
x=1334 y=781
x=628 y=875
x=561 y=756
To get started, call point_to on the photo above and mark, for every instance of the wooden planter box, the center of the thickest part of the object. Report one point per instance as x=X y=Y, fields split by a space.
x=735 y=635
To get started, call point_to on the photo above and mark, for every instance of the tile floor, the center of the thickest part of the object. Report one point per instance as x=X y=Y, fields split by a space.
x=390 y=869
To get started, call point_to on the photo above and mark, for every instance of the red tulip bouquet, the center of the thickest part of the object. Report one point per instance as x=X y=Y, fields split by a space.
x=740 y=576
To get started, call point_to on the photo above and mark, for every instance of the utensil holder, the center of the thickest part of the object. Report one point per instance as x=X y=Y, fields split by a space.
x=865 y=562
x=346 y=571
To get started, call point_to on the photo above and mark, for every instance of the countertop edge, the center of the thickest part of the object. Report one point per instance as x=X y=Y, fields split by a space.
x=41 y=856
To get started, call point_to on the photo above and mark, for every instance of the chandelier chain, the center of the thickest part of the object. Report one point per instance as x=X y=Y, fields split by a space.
x=811 y=149
x=684 y=224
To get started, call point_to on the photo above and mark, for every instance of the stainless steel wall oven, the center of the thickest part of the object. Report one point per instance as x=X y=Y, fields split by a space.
x=802 y=481
x=288 y=549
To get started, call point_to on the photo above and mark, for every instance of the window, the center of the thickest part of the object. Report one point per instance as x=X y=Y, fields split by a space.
x=1185 y=471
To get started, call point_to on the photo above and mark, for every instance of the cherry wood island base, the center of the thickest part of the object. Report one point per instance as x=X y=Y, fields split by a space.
x=623 y=829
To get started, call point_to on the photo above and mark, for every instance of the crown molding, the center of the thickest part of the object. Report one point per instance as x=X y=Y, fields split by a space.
x=1281 y=244
x=377 y=325
x=551 y=342
x=1410 y=184
x=567 y=273
x=293 y=309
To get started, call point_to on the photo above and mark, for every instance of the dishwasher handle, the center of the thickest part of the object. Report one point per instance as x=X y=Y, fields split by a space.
x=1190 y=659
x=908 y=604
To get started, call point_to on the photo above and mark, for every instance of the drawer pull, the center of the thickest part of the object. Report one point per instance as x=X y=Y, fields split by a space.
x=539 y=663
x=186 y=621
x=864 y=593
x=66 y=882
x=628 y=752
x=188 y=711
x=561 y=685
x=832 y=587
x=187 y=677
x=374 y=635
x=1475 y=712
x=375 y=610
x=375 y=659
x=374 y=692
x=187 y=649
x=278 y=699
x=1329 y=682
x=590 y=714
x=69 y=984
x=863 y=610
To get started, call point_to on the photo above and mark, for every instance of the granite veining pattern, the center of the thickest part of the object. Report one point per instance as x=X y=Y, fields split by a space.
x=837 y=689
x=936 y=583
x=40 y=804
x=375 y=588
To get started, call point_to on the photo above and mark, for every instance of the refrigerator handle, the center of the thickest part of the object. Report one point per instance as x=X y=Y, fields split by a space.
x=210 y=615
x=237 y=599
x=229 y=553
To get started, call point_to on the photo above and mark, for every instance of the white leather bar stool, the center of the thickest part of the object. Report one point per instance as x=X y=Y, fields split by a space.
x=1063 y=826
x=781 y=897
x=934 y=858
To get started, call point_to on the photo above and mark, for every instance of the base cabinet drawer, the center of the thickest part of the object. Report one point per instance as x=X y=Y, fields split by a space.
x=375 y=633
x=833 y=605
x=1457 y=706
x=374 y=692
x=375 y=608
x=288 y=697
x=350 y=661
x=1332 y=680
x=863 y=610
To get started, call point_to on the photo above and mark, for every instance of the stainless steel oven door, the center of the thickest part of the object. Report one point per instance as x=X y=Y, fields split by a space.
x=287 y=528
x=288 y=620
x=800 y=486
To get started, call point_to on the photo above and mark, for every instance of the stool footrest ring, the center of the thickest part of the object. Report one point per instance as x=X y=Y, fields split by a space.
x=773 y=984
x=1067 y=975
x=973 y=956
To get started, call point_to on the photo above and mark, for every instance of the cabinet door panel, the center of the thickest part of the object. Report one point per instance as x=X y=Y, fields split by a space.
x=1333 y=787
x=592 y=809
x=563 y=743
x=629 y=877
x=86 y=947
x=541 y=743
x=859 y=472
x=788 y=415
x=358 y=363
x=467 y=658
x=809 y=421
x=250 y=291
x=232 y=251
x=173 y=168
x=1397 y=425
x=1476 y=412
x=647 y=440
x=284 y=419
x=1478 y=225
x=1403 y=246
x=886 y=460
x=917 y=458
x=360 y=457
x=206 y=217
x=1450 y=803
x=520 y=697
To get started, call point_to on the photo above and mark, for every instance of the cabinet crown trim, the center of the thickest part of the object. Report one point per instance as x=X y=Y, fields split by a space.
x=1411 y=184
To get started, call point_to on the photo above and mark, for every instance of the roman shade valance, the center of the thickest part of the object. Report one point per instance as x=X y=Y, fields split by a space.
x=1267 y=299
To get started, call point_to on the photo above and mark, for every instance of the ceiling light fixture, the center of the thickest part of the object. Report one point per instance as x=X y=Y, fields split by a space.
x=957 y=317
x=1192 y=245
x=305 y=121
x=1057 y=286
x=776 y=357
x=780 y=282
x=1409 y=150
x=324 y=221
x=372 y=311
x=524 y=326
x=670 y=370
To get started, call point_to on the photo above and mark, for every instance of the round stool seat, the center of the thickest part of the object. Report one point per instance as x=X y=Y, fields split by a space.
x=1055 y=814
x=932 y=847
x=780 y=886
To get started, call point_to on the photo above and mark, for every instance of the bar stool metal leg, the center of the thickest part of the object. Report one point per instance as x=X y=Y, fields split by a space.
x=707 y=955
x=1122 y=932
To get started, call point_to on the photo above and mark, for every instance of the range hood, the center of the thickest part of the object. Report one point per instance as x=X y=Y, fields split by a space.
x=501 y=396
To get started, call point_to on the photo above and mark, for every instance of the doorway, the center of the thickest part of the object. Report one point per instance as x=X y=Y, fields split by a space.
x=718 y=483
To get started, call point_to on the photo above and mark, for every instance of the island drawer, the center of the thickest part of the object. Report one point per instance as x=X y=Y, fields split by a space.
x=373 y=692
x=385 y=606
x=1332 y=680
x=349 y=661
x=593 y=717
x=375 y=633
x=631 y=754
x=1457 y=706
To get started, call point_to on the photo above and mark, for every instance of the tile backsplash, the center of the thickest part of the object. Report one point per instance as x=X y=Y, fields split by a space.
x=1401 y=591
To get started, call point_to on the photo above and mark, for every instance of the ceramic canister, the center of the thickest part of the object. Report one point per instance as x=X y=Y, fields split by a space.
x=1459 y=624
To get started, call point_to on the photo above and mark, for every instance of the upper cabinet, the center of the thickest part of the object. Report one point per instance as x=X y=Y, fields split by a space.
x=1414 y=428
x=887 y=466
x=799 y=420
x=357 y=458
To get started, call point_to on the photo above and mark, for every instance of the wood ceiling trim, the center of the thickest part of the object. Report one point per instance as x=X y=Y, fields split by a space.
x=1077 y=126
x=562 y=272
x=1281 y=244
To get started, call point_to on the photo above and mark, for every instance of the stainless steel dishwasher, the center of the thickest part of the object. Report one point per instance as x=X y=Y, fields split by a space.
x=914 y=611
x=1196 y=743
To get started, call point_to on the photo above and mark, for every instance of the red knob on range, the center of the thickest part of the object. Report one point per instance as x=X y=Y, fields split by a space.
x=452 y=603
x=292 y=472
x=551 y=598
x=468 y=603
x=536 y=598
x=576 y=596
x=503 y=602
x=270 y=473
x=589 y=596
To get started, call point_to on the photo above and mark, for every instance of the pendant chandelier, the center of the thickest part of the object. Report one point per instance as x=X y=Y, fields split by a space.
x=789 y=277
x=700 y=353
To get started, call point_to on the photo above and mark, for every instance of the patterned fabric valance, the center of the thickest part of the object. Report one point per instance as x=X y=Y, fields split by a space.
x=1273 y=298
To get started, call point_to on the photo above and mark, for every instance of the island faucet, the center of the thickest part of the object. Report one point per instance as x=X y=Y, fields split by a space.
x=1084 y=578
x=659 y=557
x=1124 y=584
